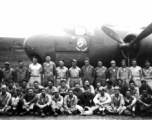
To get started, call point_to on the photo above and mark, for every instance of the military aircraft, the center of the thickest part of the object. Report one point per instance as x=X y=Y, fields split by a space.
x=103 y=43
x=78 y=42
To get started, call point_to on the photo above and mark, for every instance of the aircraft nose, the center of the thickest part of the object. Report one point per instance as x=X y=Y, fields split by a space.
x=40 y=46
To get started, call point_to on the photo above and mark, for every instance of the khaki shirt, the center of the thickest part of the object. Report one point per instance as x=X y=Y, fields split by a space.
x=61 y=72
x=75 y=72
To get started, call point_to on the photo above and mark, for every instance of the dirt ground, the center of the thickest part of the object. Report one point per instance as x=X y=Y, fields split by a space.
x=76 y=117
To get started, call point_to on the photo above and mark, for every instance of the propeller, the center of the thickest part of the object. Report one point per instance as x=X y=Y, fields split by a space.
x=147 y=31
x=112 y=34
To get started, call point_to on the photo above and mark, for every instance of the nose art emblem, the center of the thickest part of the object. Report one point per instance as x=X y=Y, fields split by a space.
x=81 y=44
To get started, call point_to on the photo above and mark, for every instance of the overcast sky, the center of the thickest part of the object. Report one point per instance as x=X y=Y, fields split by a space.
x=21 y=18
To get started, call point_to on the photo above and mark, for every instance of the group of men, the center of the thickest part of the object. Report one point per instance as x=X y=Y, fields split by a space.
x=50 y=90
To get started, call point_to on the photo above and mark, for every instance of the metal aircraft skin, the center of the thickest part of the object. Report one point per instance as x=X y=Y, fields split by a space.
x=103 y=43
x=80 y=42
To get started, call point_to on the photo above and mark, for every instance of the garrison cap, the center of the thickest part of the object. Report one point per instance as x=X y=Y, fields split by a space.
x=101 y=88
x=143 y=80
x=112 y=62
x=3 y=86
x=116 y=88
x=6 y=63
x=18 y=88
x=73 y=60
x=55 y=90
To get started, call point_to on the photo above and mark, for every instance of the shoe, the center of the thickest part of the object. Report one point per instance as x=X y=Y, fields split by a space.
x=42 y=115
x=133 y=115
x=55 y=114
x=103 y=113
x=23 y=113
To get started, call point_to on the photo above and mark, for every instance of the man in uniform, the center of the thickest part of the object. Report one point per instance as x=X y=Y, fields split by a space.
x=112 y=73
x=122 y=87
x=61 y=73
x=8 y=74
x=145 y=86
x=102 y=101
x=88 y=72
x=124 y=73
x=63 y=88
x=129 y=103
x=50 y=89
x=70 y=102
x=43 y=103
x=57 y=103
x=145 y=103
x=24 y=87
x=29 y=101
x=74 y=74
x=21 y=73
x=49 y=69
x=117 y=102
x=35 y=70
x=136 y=73
x=147 y=73
x=5 y=98
x=101 y=74
x=109 y=88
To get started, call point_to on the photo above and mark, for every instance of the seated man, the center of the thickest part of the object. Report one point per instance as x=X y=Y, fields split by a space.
x=37 y=87
x=145 y=103
x=43 y=103
x=133 y=89
x=50 y=89
x=129 y=103
x=87 y=84
x=144 y=85
x=70 y=102
x=29 y=100
x=117 y=102
x=24 y=87
x=98 y=86
x=63 y=88
x=57 y=103
x=109 y=88
x=11 y=88
x=5 y=98
x=16 y=103
x=77 y=90
x=101 y=101
x=86 y=103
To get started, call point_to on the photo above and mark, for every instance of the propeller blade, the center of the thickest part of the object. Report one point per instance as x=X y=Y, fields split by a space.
x=128 y=58
x=112 y=34
x=147 y=31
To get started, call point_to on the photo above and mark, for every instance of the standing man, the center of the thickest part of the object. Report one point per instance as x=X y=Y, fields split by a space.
x=21 y=73
x=74 y=74
x=147 y=73
x=35 y=70
x=61 y=73
x=136 y=73
x=112 y=73
x=8 y=74
x=124 y=73
x=88 y=72
x=101 y=74
x=49 y=69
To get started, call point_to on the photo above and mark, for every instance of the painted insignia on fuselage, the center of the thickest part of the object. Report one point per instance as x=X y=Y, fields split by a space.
x=81 y=44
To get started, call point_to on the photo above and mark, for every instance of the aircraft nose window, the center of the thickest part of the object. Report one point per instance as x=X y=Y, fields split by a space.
x=80 y=30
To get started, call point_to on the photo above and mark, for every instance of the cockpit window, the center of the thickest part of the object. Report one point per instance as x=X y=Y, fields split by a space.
x=80 y=30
